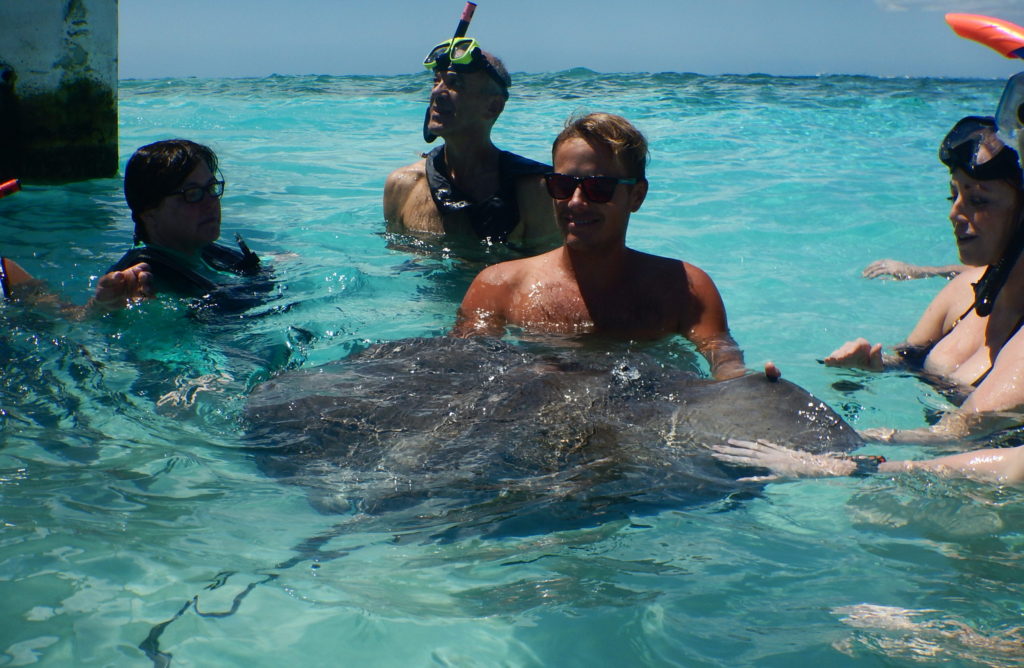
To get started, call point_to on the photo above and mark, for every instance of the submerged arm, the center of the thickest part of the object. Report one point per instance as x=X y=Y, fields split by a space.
x=113 y=290
x=710 y=330
x=724 y=356
x=1004 y=465
x=902 y=270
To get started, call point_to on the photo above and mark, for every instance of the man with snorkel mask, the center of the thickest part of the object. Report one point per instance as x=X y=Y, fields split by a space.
x=467 y=187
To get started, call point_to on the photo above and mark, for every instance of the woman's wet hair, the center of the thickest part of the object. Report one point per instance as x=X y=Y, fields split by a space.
x=627 y=144
x=159 y=169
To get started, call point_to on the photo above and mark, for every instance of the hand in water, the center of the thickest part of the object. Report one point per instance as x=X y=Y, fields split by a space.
x=857 y=354
x=783 y=462
x=900 y=271
x=118 y=287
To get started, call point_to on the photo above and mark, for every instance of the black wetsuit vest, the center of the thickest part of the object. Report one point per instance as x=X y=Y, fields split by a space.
x=493 y=218
x=171 y=275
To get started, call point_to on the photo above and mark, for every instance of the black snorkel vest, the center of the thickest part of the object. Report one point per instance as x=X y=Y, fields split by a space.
x=495 y=217
x=169 y=271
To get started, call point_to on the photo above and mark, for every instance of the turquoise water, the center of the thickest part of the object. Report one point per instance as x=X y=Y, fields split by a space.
x=125 y=493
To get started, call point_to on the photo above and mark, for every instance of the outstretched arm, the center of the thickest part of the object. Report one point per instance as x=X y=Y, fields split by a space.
x=1004 y=465
x=113 y=290
x=939 y=318
x=902 y=271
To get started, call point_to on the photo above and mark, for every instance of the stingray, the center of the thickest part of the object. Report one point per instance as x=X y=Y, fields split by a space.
x=511 y=439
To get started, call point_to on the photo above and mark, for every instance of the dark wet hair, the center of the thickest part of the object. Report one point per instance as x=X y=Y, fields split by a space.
x=503 y=79
x=627 y=144
x=157 y=170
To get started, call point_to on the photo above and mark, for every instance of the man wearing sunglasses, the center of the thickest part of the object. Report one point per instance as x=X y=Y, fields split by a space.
x=174 y=195
x=594 y=283
x=467 y=188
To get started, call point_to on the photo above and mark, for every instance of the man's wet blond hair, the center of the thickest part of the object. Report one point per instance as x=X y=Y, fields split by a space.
x=627 y=144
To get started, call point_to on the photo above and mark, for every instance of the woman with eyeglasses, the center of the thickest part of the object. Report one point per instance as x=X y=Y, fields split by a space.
x=970 y=335
x=173 y=191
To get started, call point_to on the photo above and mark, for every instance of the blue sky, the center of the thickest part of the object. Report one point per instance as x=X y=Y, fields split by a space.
x=232 y=38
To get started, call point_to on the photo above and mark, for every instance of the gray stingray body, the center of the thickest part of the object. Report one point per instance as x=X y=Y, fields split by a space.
x=480 y=432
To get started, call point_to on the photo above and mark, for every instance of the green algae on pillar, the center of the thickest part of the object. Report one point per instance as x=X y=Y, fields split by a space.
x=58 y=90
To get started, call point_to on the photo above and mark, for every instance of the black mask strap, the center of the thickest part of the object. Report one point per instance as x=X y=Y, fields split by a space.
x=987 y=288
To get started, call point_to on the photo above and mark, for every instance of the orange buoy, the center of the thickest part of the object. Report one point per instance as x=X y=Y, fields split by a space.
x=1005 y=37
x=9 y=187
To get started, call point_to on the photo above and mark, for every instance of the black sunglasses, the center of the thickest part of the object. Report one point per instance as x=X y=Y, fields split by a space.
x=196 y=193
x=597 y=189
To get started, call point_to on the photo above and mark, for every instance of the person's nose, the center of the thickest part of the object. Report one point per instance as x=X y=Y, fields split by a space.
x=577 y=198
x=439 y=87
x=957 y=216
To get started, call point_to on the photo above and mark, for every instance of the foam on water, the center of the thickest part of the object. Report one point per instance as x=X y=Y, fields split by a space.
x=125 y=491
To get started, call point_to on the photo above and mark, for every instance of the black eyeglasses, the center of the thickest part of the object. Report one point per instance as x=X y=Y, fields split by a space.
x=196 y=193
x=597 y=189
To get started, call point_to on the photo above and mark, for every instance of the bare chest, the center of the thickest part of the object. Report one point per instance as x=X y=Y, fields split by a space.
x=561 y=307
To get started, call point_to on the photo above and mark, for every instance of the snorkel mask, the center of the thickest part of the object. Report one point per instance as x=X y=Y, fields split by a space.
x=1007 y=39
x=463 y=54
x=974 y=146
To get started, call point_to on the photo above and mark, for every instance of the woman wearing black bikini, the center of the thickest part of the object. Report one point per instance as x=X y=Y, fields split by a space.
x=970 y=335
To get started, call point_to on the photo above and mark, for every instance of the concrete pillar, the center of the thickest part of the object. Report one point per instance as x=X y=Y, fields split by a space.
x=58 y=89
